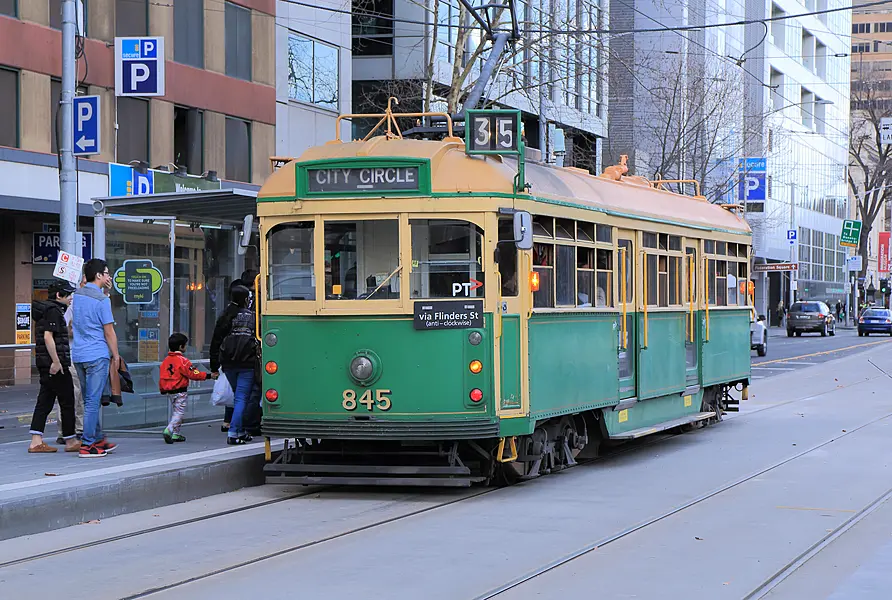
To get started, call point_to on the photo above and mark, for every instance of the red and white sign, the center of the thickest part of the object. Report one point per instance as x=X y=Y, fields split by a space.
x=883 y=257
x=69 y=267
x=771 y=267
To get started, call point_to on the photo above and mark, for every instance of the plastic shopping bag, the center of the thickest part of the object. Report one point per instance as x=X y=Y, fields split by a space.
x=222 y=394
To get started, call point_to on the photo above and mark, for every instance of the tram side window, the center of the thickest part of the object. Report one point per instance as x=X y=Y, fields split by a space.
x=362 y=260
x=447 y=259
x=507 y=258
x=564 y=276
x=585 y=277
x=291 y=274
x=543 y=264
x=663 y=269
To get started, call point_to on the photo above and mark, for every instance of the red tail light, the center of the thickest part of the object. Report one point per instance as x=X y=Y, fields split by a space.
x=476 y=395
x=861 y=320
x=272 y=395
x=271 y=367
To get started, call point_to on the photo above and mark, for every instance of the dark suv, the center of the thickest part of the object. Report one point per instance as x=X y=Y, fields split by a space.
x=810 y=316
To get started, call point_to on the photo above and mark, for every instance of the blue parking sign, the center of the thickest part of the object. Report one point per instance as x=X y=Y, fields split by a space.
x=139 y=66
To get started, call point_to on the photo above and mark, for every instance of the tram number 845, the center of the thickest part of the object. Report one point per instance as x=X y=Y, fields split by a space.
x=379 y=401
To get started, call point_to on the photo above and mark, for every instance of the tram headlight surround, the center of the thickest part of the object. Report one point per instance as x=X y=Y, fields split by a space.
x=271 y=339
x=474 y=338
x=364 y=368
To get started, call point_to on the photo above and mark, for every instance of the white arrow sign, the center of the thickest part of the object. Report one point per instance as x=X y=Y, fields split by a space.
x=83 y=143
x=87 y=131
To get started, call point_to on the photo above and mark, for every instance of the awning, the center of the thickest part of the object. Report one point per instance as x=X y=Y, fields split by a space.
x=208 y=207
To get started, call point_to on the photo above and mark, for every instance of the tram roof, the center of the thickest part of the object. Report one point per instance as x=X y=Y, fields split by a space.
x=453 y=171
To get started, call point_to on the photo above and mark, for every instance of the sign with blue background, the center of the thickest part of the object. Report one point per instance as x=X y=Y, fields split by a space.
x=45 y=248
x=139 y=66
x=87 y=127
x=751 y=186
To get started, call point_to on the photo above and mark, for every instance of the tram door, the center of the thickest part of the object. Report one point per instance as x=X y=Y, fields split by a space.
x=512 y=339
x=691 y=345
x=625 y=301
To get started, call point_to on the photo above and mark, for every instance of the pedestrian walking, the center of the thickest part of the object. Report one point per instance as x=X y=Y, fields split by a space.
x=78 y=396
x=53 y=360
x=176 y=373
x=780 y=313
x=94 y=348
x=234 y=349
x=838 y=310
x=247 y=279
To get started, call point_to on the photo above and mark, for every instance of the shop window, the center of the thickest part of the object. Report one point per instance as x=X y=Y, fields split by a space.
x=131 y=18
x=238 y=149
x=447 y=259
x=133 y=130
x=9 y=98
x=291 y=262
x=188 y=32
x=313 y=71
x=9 y=8
x=507 y=257
x=188 y=139
x=362 y=260
x=238 y=41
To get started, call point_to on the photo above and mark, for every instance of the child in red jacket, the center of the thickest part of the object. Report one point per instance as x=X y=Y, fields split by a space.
x=176 y=372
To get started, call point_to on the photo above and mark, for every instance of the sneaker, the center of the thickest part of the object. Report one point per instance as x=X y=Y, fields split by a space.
x=43 y=448
x=106 y=445
x=235 y=441
x=93 y=451
x=178 y=438
x=246 y=438
x=168 y=437
x=60 y=441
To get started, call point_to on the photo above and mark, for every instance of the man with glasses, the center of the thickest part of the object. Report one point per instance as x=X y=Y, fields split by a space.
x=94 y=348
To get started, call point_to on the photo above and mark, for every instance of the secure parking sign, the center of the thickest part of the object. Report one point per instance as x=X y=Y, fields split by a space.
x=139 y=66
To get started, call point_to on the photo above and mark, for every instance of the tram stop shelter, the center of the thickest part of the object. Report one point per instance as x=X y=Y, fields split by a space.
x=172 y=257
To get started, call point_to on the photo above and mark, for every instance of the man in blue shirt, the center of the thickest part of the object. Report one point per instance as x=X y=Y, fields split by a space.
x=93 y=349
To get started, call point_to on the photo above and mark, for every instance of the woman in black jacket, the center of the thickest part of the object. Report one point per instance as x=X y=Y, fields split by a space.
x=234 y=348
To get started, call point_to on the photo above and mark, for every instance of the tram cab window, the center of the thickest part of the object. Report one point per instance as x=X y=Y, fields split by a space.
x=362 y=260
x=447 y=259
x=291 y=274
x=507 y=257
x=543 y=264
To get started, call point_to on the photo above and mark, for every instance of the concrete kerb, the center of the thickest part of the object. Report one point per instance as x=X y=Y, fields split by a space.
x=48 y=505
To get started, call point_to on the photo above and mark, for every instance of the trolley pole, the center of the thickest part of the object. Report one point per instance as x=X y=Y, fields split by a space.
x=67 y=175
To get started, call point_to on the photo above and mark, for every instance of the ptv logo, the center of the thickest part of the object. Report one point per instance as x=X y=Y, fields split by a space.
x=457 y=288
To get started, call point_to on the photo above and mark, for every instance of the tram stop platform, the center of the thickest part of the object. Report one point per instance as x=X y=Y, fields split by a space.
x=41 y=492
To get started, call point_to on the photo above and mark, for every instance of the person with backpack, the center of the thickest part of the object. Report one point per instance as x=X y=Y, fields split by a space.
x=53 y=359
x=234 y=348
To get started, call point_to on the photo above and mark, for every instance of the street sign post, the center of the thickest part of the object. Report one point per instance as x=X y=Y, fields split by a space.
x=886 y=130
x=87 y=130
x=851 y=233
x=139 y=66
x=854 y=263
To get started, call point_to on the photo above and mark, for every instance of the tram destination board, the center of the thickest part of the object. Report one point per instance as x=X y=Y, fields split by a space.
x=449 y=314
x=363 y=180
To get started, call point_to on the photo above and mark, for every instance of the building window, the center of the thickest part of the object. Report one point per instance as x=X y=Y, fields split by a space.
x=238 y=41
x=9 y=97
x=9 y=8
x=188 y=32
x=313 y=72
x=238 y=149
x=133 y=130
x=55 y=119
x=373 y=29
x=188 y=139
x=131 y=17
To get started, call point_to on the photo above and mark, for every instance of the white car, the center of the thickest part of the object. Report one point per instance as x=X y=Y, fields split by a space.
x=758 y=333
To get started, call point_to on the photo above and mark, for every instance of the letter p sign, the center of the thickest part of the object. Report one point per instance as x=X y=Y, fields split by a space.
x=139 y=66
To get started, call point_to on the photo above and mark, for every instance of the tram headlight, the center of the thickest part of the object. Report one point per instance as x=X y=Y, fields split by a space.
x=475 y=337
x=361 y=368
x=272 y=395
x=476 y=395
x=271 y=339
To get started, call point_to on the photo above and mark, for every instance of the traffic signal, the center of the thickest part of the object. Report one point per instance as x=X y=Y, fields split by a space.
x=884 y=286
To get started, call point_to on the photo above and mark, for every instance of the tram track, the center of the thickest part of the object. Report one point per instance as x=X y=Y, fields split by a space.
x=762 y=589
